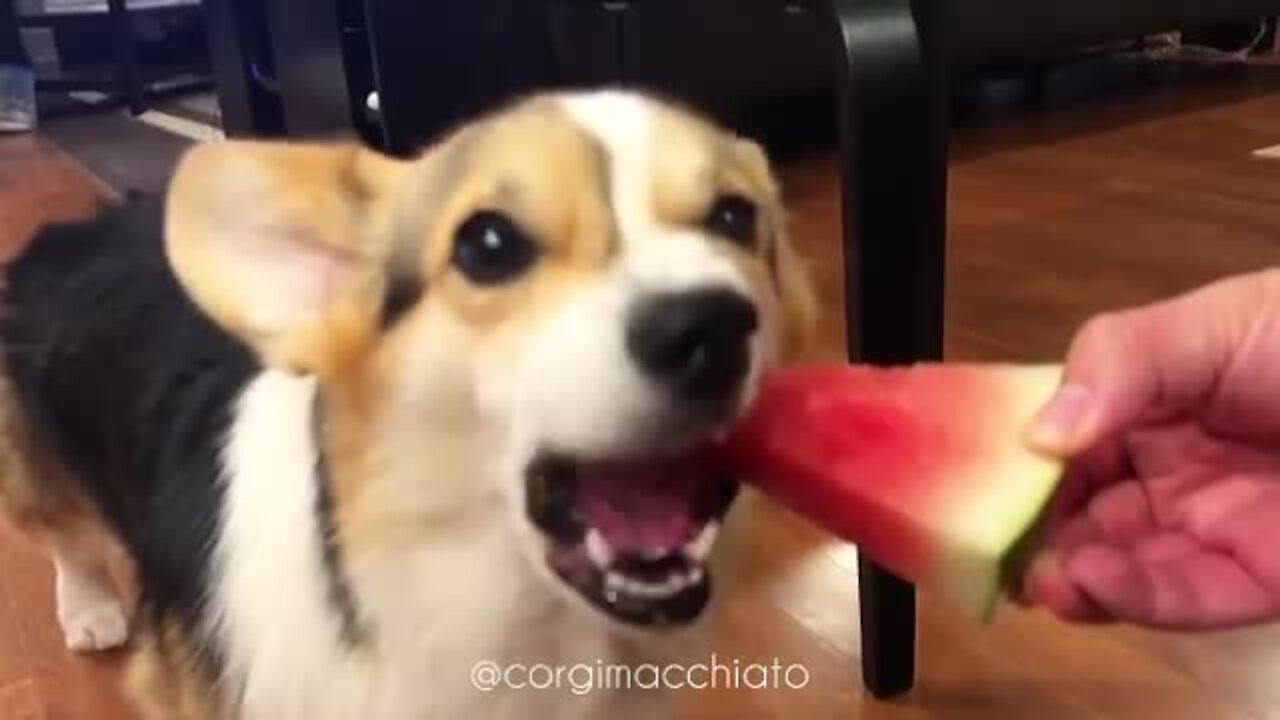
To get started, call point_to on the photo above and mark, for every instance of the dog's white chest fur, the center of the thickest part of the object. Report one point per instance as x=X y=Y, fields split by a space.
x=431 y=610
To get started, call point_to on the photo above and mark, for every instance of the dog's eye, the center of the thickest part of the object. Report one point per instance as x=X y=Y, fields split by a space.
x=733 y=217
x=490 y=249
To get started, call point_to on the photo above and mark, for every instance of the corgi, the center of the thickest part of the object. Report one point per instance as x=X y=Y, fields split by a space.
x=360 y=423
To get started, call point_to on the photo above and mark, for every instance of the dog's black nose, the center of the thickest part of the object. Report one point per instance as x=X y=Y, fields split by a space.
x=696 y=342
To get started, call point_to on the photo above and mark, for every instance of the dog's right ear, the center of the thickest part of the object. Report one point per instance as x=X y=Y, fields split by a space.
x=285 y=245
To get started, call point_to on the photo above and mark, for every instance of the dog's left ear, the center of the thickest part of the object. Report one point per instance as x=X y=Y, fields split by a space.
x=285 y=245
x=799 y=302
x=796 y=294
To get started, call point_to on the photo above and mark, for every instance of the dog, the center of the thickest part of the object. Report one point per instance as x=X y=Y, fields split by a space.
x=360 y=423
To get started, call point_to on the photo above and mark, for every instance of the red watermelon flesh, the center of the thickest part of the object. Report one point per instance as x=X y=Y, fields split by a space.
x=924 y=468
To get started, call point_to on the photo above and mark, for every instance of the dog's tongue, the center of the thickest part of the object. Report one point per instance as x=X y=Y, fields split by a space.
x=646 y=506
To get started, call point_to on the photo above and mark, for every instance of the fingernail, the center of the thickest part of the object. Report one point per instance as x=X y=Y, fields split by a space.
x=1059 y=423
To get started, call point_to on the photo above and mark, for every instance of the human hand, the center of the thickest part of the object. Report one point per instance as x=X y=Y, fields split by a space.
x=1169 y=415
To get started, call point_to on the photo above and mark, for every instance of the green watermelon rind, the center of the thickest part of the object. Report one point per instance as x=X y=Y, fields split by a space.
x=1039 y=476
x=1016 y=561
x=978 y=577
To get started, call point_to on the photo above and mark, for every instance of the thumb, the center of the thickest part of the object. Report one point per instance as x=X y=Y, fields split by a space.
x=1123 y=366
x=1105 y=382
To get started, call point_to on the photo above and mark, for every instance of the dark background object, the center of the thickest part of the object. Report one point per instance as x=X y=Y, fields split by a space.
x=1230 y=36
x=128 y=54
x=978 y=31
x=436 y=68
x=243 y=68
x=431 y=65
x=721 y=55
x=892 y=85
x=11 y=50
x=310 y=69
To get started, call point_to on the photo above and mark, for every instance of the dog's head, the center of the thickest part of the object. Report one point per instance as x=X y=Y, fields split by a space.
x=550 y=313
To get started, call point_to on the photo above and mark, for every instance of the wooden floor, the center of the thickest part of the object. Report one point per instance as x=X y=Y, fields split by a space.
x=38 y=680
x=1053 y=219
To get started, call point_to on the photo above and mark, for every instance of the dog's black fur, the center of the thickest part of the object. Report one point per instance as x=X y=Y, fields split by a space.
x=129 y=387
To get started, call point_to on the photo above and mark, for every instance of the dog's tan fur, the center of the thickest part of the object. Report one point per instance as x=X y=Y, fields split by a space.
x=165 y=679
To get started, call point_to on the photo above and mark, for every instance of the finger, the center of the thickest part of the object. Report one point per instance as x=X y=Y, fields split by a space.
x=1233 y=511
x=1121 y=514
x=1085 y=477
x=1118 y=514
x=1069 y=500
x=1044 y=582
x=1193 y=590
x=1239 y=514
x=1162 y=450
x=1119 y=367
x=1047 y=585
x=1165 y=547
x=1079 y=530
x=1123 y=365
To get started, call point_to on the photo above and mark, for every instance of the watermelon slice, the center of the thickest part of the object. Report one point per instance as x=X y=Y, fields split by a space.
x=923 y=467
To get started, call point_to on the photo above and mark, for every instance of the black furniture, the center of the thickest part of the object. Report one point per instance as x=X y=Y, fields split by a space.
x=892 y=93
x=891 y=61
x=125 y=77
x=307 y=69
x=11 y=50
x=125 y=80
x=243 y=64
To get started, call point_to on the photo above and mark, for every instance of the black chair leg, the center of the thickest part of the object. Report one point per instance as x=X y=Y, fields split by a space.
x=236 y=38
x=893 y=125
x=129 y=75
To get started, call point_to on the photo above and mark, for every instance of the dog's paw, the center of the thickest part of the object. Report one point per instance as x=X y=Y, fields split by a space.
x=92 y=626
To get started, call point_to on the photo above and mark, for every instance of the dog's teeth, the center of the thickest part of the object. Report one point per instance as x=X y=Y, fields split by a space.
x=654 y=553
x=663 y=589
x=649 y=591
x=617 y=584
x=598 y=549
x=614 y=582
x=694 y=577
x=700 y=547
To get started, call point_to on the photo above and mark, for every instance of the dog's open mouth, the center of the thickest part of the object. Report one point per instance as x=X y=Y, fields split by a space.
x=632 y=536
